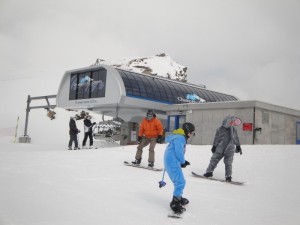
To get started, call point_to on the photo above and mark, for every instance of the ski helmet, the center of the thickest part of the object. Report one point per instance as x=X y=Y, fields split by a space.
x=150 y=114
x=188 y=128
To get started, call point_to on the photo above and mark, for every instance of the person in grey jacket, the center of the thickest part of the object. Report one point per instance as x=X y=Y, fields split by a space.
x=226 y=143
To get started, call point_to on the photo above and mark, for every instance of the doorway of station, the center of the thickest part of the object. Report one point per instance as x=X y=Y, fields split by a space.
x=298 y=132
x=175 y=122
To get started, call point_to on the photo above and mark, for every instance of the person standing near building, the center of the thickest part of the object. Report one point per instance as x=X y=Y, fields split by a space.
x=151 y=132
x=73 y=131
x=174 y=161
x=88 y=130
x=225 y=144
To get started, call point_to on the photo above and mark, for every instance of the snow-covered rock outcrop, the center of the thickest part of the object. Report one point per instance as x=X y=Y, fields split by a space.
x=159 y=65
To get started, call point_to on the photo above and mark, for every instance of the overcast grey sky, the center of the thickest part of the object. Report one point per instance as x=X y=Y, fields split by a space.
x=247 y=48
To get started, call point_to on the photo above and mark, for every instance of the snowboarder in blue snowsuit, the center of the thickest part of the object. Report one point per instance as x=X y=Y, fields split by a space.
x=174 y=161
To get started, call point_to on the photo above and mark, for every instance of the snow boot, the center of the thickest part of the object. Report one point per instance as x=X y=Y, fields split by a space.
x=228 y=179
x=69 y=148
x=76 y=148
x=151 y=164
x=176 y=205
x=137 y=162
x=184 y=201
x=208 y=174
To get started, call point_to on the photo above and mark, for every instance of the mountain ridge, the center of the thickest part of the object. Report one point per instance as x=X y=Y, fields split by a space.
x=161 y=65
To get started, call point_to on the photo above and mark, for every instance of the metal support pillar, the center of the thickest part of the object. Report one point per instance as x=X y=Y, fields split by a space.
x=26 y=138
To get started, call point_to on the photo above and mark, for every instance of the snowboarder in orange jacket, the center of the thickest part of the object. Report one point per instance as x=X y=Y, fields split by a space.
x=151 y=132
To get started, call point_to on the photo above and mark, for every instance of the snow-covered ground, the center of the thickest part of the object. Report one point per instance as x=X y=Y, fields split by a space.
x=45 y=184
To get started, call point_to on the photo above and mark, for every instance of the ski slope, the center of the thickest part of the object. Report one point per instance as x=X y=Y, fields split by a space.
x=45 y=184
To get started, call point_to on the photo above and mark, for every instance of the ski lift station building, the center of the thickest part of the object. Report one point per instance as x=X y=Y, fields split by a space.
x=128 y=95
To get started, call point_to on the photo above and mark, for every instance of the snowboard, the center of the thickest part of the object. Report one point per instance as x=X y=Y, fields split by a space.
x=88 y=148
x=176 y=215
x=217 y=179
x=143 y=167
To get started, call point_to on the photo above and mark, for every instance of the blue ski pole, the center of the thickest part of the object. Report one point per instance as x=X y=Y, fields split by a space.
x=162 y=183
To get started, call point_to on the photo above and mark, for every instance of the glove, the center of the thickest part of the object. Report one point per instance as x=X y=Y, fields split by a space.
x=213 y=149
x=186 y=163
x=159 y=139
x=238 y=149
x=139 y=139
x=78 y=131
x=94 y=123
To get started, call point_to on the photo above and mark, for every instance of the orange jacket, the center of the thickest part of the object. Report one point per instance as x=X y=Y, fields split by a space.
x=151 y=128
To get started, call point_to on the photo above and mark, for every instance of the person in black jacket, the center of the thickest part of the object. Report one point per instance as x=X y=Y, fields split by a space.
x=88 y=131
x=73 y=134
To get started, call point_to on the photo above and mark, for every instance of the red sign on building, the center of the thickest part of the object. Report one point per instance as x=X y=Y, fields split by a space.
x=247 y=126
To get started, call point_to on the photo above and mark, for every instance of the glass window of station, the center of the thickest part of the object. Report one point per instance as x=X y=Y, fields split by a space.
x=88 y=84
x=161 y=90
